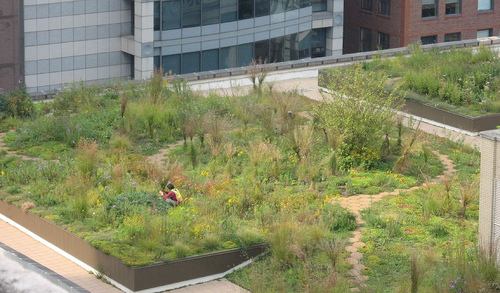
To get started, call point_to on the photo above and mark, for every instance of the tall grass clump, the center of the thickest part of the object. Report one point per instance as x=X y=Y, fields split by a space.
x=87 y=159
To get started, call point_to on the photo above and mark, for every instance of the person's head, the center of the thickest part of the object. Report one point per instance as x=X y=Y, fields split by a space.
x=170 y=186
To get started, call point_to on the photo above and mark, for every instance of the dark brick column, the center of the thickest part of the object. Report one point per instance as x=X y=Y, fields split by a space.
x=10 y=47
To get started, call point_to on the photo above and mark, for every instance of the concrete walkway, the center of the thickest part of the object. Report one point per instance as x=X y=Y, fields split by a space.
x=305 y=82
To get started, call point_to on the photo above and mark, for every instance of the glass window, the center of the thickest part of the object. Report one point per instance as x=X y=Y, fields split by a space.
x=318 y=43
x=305 y=3
x=191 y=13
x=191 y=62
x=291 y=47
x=261 y=51
x=290 y=5
x=367 y=5
x=172 y=64
x=171 y=14
x=210 y=60
x=366 y=39
x=384 y=7
x=318 y=5
x=277 y=6
x=428 y=40
x=262 y=7
x=453 y=6
x=210 y=12
x=228 y=10
x=245 y=9
x=227 y=57
x=484 y=5
x=452 y=37
x=429 y=8
x=245 y=54
x=156 y=62
x=304 y=44
x=276 y=49
x=484 y=33
x=384 y=41
x=156 y=17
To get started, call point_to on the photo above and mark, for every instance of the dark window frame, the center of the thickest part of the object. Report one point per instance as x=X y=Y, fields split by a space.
x=384 y=7
x=453 y=37
x=454 y=8
x=367 y=5
x=430 y=10
x=383 y=41
x=366 y=39
x=432 y=37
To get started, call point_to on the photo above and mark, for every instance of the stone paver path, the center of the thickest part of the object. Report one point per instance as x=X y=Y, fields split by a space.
x=359 y=202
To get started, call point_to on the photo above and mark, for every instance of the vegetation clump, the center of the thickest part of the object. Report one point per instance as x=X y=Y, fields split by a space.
x=253 y=169
x=466 y=81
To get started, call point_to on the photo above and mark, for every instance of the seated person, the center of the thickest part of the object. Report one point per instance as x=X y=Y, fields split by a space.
x=173 y=195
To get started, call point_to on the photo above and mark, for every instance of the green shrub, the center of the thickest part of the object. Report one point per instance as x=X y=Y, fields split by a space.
x=337 y=218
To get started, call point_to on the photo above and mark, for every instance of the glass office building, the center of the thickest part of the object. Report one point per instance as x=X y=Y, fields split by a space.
x=100 y=40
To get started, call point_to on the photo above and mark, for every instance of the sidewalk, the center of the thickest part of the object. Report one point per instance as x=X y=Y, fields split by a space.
x=304 y=81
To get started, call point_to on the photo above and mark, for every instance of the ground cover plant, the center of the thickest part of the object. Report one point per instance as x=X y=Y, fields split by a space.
x=466 y=81
x=262 y=168
x=426 y=240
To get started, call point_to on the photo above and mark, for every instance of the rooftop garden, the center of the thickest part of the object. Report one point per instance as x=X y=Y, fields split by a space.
x=268 y=167
x=465 y=81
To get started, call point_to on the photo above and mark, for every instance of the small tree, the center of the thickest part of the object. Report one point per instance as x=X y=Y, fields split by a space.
x=358 y=111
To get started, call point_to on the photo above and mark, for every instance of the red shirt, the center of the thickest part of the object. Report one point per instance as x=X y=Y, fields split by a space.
x=170 y=195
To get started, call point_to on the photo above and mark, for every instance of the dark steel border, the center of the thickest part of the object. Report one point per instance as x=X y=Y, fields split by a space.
x=134 y=278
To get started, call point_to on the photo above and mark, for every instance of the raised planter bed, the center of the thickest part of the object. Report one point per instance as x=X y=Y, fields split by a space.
x=426 y=111
x=133 y=278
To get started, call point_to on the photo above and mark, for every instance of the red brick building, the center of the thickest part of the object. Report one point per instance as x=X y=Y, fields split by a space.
x=382 y=24
x=10 y=57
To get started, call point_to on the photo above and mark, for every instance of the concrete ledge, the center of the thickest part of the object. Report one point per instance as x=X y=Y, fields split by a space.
x=309 y=62
x=238 y=71
x=190 y=76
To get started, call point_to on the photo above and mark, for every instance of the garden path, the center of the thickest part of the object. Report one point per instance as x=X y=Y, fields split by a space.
x=159 y=159
x=359 y=202
x=3 y=147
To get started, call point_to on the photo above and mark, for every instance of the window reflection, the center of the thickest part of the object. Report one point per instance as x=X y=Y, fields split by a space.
x=227 y=57
x=276 y=49
x=277 y=6
x=228 y=10
x=245 y=9
x=156 y=17
x=261 y=51
x=262 y=7
x=191 y=13
x=171 y=14
x=172 y=64
x=174 y=14
x=245 y=54
x=302 y=45
x=210 y=60
x=210 y=12
x=190 y=62
x=319 y=5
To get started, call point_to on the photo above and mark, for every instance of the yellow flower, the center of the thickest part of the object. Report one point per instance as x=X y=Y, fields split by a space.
x=2 y=173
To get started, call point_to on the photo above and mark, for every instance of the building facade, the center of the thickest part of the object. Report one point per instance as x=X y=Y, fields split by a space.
x=96 y=41
x=10 y=53
x=383 y=24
